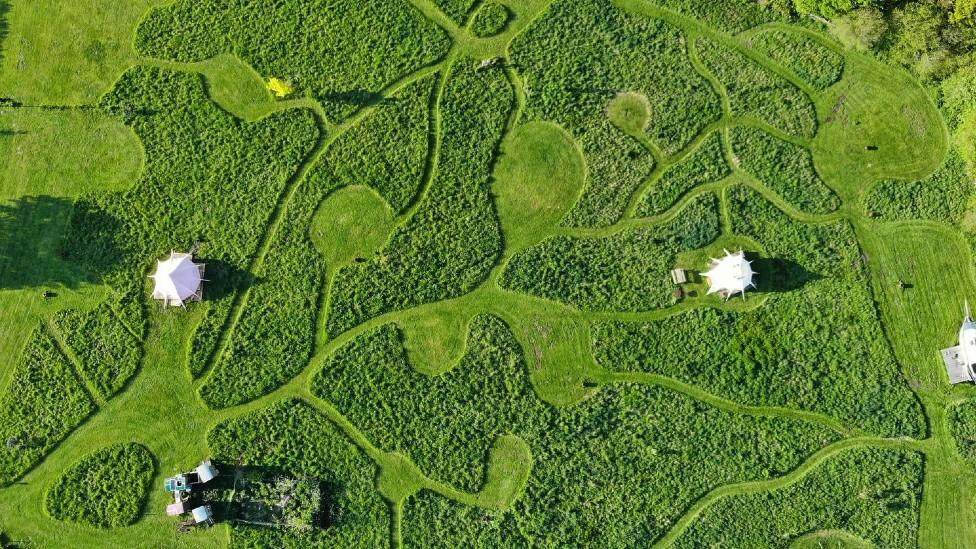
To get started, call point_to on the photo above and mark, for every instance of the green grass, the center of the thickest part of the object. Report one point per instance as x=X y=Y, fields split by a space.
x=352 y=223
x=538 y=178
x=443 y=291
x=106 y=489
x=58 y=53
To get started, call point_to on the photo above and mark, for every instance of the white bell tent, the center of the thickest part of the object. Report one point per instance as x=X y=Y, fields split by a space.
x=178 y=279
x=730 y=275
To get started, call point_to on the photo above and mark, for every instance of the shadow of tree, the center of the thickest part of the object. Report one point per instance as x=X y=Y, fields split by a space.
x=781 y=275
x=91 y=239
x=358 y=98
x=31 y=252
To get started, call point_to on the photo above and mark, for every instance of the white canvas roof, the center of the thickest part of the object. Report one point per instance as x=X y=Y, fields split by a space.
x=206 y=471
x=201 y=514
x=730 y=275
x=177 y=279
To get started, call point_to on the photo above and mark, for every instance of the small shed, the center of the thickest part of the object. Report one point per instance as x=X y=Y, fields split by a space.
x=175 y=509
x=176 y=484
x=202 y=515
x=206 y=472
x=679 y=276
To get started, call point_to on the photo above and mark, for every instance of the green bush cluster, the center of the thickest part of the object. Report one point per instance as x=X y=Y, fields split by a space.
x=815 y=344
x=785 y=168
x=108 y=351
x=706 y=164
x=388 y=151
x=209 y=179
x=592 y=462
x=614 y=173
x=457 y=10
x=627 y=271
x=873 y=494
x=106 y=489
x=342 y=52
x=491 y=19
x=962 y=419
x=809 y=59
x=451 y=242
x=577 y=58
x=274 y=337
x=732 y=16
x=755 y=91
x=292 y=437
x=42 y=403
x=942 y=196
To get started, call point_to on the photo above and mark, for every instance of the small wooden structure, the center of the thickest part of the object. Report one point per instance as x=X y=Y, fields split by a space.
x=679 y=276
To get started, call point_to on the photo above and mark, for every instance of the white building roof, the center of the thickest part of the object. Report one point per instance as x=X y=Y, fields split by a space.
x=206 y=471
x=201 y=514
x=960 y=361
x=730 y=275
x=177 y=279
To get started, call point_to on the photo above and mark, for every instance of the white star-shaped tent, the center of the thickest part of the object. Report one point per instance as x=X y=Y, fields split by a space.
x=730 y=275
x=177 y=279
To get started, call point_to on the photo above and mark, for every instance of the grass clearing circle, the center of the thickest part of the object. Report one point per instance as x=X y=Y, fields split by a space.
x=630 y=111
x=352 y=223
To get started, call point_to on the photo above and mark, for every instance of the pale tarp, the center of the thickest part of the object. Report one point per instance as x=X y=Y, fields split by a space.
x=960 y=361
x=177 y=279
x=730 y=275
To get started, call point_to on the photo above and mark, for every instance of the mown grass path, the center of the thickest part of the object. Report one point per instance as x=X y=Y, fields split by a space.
x=162 y=408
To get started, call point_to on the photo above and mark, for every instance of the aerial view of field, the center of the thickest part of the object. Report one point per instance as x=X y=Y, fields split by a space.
x=487 y=273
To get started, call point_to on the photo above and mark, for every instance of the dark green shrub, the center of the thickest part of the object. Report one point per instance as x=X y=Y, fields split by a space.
x=624 y=272
x=106 y=489
x=785 y=168
x=815 y=63
x=492 y=19
x=290 y=436
x=962 y=419
x=457 y=10
x=706 y=164
x=942 y=196
x=451 y=242
x=388 y=151
x=873 y=494
x=756 y=92
x=108 y=351
x=576 y=59
x=43 y=402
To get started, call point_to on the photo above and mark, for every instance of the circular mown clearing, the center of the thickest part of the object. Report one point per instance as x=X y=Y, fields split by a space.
x=352 y=223
x=630 y=111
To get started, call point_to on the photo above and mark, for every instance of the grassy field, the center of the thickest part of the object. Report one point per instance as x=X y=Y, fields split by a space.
x=439 y=277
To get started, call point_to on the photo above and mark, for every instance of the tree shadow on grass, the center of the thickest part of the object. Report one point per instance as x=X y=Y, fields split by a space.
x=781 y=275
x=31 y=251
